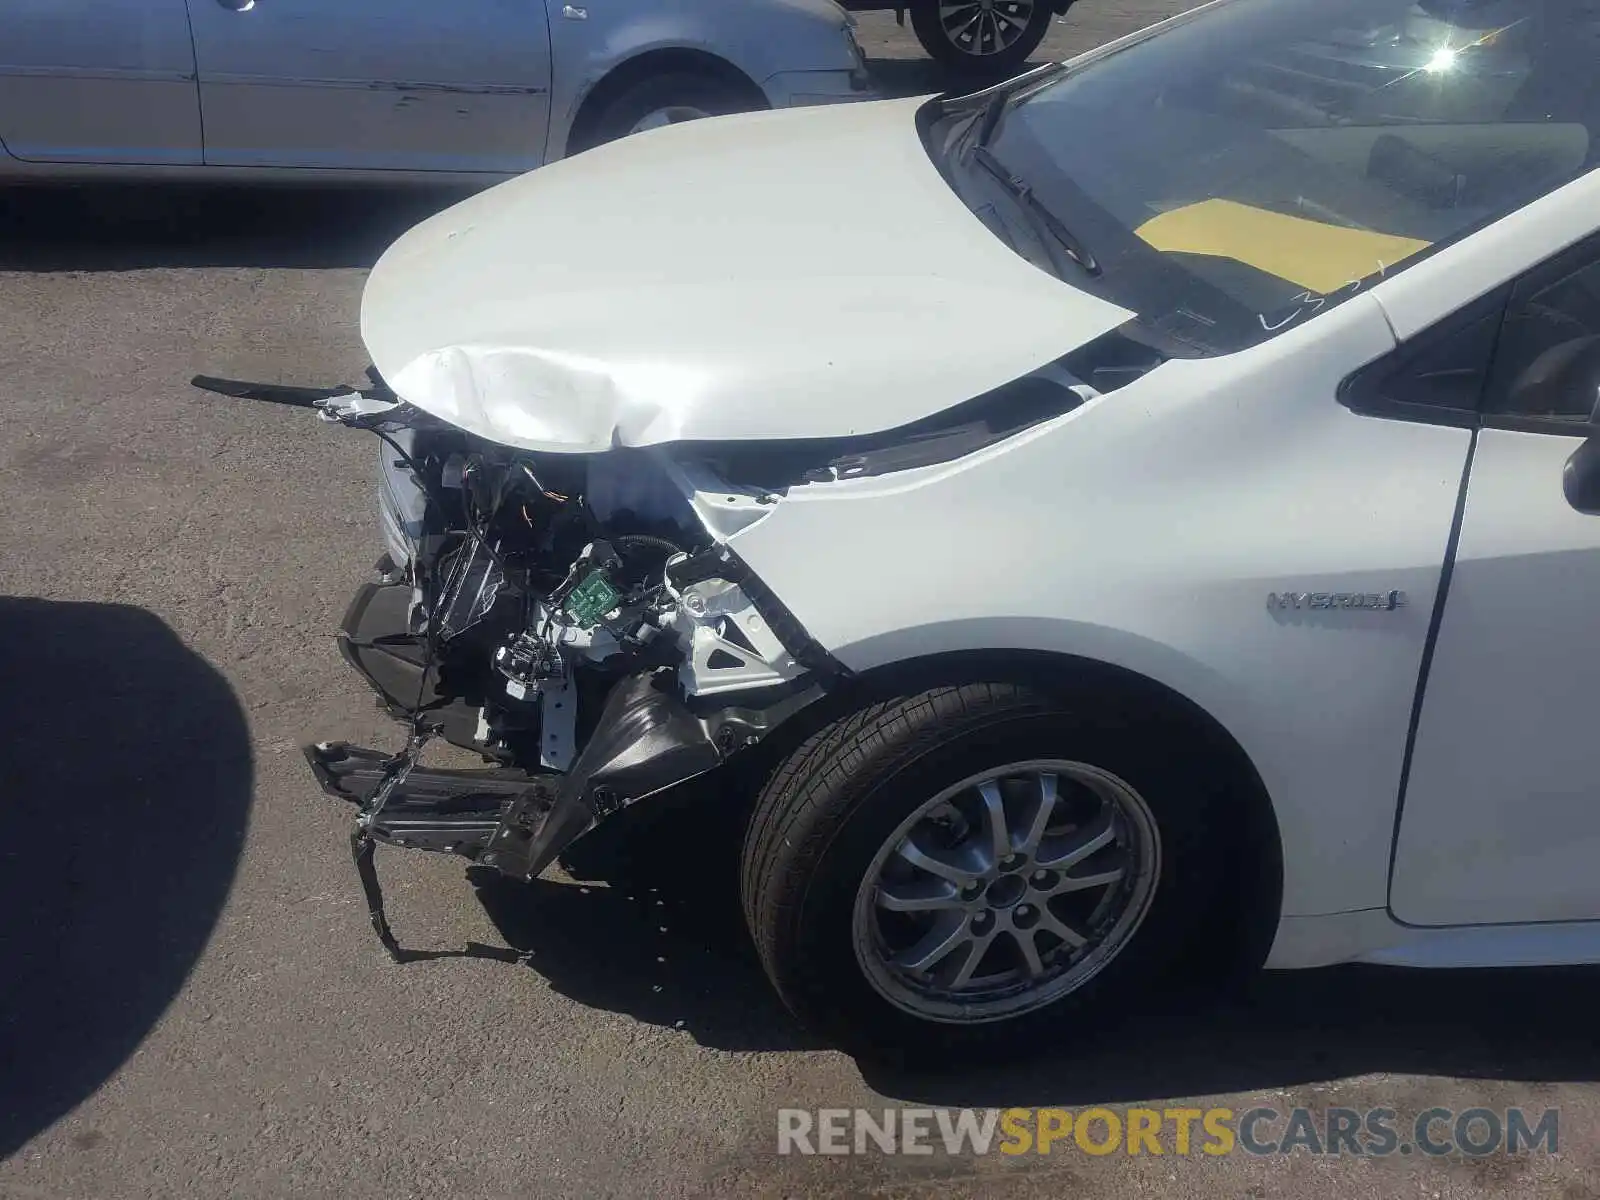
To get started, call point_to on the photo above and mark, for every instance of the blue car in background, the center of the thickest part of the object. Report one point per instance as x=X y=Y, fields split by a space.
x=390 y=90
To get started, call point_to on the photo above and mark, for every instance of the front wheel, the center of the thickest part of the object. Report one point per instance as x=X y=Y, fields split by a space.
x=969 y=864
x=990 y=38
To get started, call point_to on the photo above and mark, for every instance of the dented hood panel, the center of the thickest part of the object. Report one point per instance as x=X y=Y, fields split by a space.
x=795 y=274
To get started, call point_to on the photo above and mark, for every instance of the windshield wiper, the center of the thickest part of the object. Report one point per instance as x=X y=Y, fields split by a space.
x=1021 y=191
x=982 y=130
x=989 y=116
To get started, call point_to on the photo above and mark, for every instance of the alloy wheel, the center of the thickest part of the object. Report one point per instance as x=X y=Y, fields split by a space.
x=1006 y=891
x=985 y=27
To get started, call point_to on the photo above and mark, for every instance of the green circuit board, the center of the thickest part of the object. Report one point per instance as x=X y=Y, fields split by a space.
x=591 y=600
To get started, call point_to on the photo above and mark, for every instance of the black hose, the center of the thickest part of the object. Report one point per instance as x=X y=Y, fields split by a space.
x=645 y=539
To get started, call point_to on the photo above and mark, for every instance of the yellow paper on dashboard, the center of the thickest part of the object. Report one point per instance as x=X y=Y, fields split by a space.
x=1319 y=257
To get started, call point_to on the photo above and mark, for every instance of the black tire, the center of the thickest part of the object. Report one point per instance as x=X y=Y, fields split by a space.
x=829 y=807
x=965 y=59
x=688 y=89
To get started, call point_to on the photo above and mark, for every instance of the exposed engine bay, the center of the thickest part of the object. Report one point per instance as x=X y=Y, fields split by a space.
x=567 y=617
x=518 y=589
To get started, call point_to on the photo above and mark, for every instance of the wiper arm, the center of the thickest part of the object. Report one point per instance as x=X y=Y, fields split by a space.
x=993 y=109
x=982 y=130
x=1019 y=188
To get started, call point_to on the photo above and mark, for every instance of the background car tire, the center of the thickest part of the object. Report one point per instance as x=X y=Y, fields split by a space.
x=678 y=93
x=942 y=46
x=828 y=809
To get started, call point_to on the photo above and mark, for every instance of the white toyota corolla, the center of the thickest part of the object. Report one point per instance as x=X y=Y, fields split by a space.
x=1134 y=512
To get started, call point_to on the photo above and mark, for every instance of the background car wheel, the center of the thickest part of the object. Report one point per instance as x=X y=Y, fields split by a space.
x=667 y=99
x=988 y=38
x=964 y=866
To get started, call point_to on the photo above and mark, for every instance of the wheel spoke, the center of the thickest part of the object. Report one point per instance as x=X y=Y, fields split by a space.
x=1030 y=952
x=1041 y=815
x=994 y=809
x=1079 y=883
x=1050 y=922
x=1079 y=847
x=948 y=932
x=965 y=30
x=924 y=861
x=922 y=895
x=1011 y=22
x=973 y=953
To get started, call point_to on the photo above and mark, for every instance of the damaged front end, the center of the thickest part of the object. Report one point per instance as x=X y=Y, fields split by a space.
x=572 y=619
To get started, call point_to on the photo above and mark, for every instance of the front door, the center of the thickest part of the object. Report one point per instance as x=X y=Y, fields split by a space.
x=1501 y=815
x=401 y=85
x=98 y=83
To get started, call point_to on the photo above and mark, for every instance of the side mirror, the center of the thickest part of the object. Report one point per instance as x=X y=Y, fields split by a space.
x=1580 y=478
x=1549 y=384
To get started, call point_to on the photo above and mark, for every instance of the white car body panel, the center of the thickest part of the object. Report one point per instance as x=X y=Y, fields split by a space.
x=1218 y=460
x=1555 y=945
x=1373 y=936
x=1146 y=530
x=1499 y=801
x=1502 y=795
x=501 y=315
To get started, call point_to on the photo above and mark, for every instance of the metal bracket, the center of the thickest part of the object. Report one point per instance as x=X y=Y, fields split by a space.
x=363 y=849
x=344 y=404
x=395 y=772
x=558 y=723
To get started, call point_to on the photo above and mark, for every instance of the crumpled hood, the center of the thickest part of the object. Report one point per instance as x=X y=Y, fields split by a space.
x=794 y=274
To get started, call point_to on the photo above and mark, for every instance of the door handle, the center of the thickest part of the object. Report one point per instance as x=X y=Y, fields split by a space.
x=237 y=5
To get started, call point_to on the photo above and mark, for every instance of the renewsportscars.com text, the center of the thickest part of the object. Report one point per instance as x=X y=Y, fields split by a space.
x=1375 y=1132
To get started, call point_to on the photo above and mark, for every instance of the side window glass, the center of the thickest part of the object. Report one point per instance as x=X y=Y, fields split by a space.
x=1440 y=374
x=1548 y=362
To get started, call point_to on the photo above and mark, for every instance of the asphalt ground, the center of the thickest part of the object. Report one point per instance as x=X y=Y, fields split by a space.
x=191 y=1002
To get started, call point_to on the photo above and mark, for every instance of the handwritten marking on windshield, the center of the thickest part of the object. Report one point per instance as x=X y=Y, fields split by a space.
x=1309 y=302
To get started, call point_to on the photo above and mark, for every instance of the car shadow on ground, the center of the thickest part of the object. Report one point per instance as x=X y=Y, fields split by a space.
x=651 y=928
x=897 y=77
x=122 y=227
x=664 y=942
x=125 y=776
x=903 y=77
x=1285 y=1029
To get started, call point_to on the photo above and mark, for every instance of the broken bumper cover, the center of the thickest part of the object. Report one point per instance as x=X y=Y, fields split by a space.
x=647 y=741
x=450 y=812
x=508 y=820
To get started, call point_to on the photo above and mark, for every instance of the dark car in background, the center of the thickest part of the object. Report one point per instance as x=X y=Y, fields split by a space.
x=975 y=37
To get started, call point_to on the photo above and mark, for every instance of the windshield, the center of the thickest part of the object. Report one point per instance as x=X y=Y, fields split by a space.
x=1269 y=158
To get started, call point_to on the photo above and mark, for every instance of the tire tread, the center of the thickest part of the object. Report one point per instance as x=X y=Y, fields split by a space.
x=810 y=792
